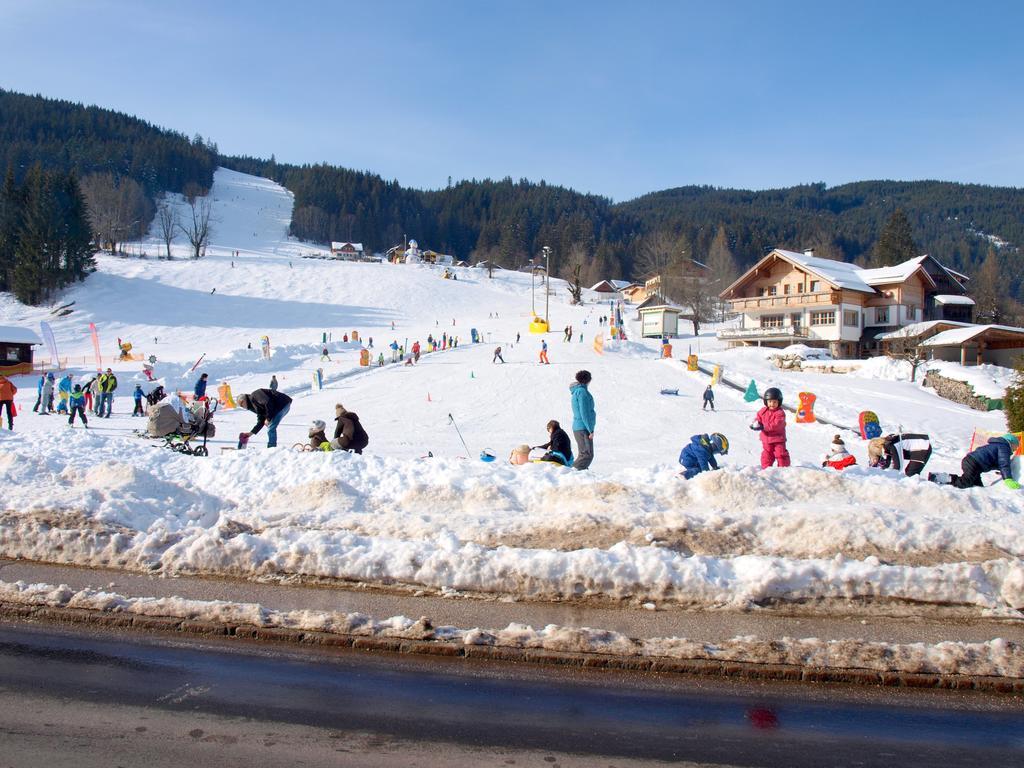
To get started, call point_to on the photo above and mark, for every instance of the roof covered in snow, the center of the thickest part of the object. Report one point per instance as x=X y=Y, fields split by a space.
x=897 y=273
x=958 y=336
x=919 y=329
x=339 y=246
x=15 y=335
x=946 y=298
x=620 y=284
x=841 y=274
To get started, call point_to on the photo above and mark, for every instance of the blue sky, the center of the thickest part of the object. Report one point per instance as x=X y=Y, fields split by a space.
x=613 y=98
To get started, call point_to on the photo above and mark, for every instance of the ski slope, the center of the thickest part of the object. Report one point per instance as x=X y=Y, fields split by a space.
x=628 y=529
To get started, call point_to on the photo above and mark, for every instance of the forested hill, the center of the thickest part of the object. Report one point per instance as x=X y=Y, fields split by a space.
x=67 y=137
x=958 y=223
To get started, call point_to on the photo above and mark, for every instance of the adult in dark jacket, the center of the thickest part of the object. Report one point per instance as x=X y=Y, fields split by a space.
x=558 y=447
x=200 y=388
x=699 y=455
x=994 y=455
x=270 y=407
x=349 y=434
x=709 y=398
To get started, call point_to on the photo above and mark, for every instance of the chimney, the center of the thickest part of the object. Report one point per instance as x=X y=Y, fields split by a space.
x=809 y=253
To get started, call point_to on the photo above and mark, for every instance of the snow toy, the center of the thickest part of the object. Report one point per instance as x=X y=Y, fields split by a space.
x=870 y=427
x=716 y=375
x=837 y=456
x=691 y=363
x=126 y=350
x=364 y=358
x=487 y=456
x=225 y=397
x=599 y=344
x=805 y=408
x=670 y=391
x=551 y=457
x=751 y=395
x=666 y=350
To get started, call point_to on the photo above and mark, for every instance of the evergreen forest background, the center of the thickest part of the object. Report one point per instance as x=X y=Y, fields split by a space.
x=121 y=166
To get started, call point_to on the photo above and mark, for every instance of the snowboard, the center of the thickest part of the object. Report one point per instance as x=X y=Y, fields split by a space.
x=870 y=427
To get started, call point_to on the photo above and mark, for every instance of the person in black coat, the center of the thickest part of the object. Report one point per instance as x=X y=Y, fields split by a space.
x=559 y=447
x=349 y=435
x=270 y=407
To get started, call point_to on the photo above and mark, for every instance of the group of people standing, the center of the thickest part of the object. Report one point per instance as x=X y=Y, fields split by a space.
x=96 y=396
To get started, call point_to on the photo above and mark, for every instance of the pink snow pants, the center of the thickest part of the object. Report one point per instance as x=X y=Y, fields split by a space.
x=772 y=453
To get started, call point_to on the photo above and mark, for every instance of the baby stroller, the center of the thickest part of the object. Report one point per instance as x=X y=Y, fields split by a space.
x=199 y=424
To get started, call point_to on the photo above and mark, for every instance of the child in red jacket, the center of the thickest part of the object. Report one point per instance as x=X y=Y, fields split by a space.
x=771 y=423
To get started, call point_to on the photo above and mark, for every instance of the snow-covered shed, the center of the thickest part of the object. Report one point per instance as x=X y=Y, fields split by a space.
x=16 y=349
x=995 y=344
x=658 y=318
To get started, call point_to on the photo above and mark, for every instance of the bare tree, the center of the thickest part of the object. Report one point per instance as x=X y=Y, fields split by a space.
x=905 y=346
x=167 y=222
x=196 y=227
x=118 y=208
x=698 y=295
x=573 y=271
x=658 y=252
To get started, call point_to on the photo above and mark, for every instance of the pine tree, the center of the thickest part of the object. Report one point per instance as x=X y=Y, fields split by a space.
x=10 y=220
x=988 y=289
x=721 y=263
x=896 y=243
x=34 y=256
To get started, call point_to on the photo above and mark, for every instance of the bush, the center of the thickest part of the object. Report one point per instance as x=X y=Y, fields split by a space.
x=1013 y=400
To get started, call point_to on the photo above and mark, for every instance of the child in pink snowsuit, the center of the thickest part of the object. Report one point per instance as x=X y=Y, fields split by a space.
x=771 y=423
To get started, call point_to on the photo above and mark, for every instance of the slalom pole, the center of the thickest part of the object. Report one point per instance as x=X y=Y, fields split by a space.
x=451 y=420
x=197 y=362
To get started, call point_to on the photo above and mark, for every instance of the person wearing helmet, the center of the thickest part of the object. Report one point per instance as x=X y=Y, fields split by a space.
x=996 y=454
x=699 y=455
x=771 y=423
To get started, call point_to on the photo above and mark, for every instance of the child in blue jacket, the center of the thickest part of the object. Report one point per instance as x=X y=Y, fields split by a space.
x=699 y=455
x=996 y=454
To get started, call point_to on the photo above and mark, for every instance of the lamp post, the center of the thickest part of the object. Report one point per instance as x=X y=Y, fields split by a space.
x=547 y=285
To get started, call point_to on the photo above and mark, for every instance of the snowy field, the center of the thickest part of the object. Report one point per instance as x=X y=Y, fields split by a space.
x=629 y=529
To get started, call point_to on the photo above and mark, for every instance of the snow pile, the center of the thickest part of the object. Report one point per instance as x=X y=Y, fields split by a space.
x=997 y=657
x=734 y=537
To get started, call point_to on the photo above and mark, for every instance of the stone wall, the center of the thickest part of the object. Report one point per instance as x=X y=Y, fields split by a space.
x=957 y=391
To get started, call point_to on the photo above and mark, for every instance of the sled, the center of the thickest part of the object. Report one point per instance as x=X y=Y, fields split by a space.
x=805 y=408
x=670 y=392
x=870 y=427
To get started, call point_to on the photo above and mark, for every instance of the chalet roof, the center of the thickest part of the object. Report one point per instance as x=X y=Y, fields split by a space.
x=919 y=329
x=605 y=286
x=339 y=246
x=841 y=274
x=620 y=284
x=656 y=301
x=946 y=298
x=897 y=273
x=958 y=336
x=15 y=335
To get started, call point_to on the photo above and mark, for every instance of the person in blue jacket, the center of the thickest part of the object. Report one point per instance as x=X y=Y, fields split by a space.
x=709 y=398
x=994 y=455
x=584 y=419
x=200 y=388
x=699 y=455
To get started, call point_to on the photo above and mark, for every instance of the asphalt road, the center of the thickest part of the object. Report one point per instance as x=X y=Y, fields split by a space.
x=100 y=698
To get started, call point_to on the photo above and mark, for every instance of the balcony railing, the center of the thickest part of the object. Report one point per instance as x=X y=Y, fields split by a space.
x=795 y=300
x=785 y=332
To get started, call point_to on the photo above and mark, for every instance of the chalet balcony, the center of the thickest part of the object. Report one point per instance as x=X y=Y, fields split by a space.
x=783 y=333
x=788 y=301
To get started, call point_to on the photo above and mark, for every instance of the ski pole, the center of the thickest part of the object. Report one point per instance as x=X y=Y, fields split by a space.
x=451 y=420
